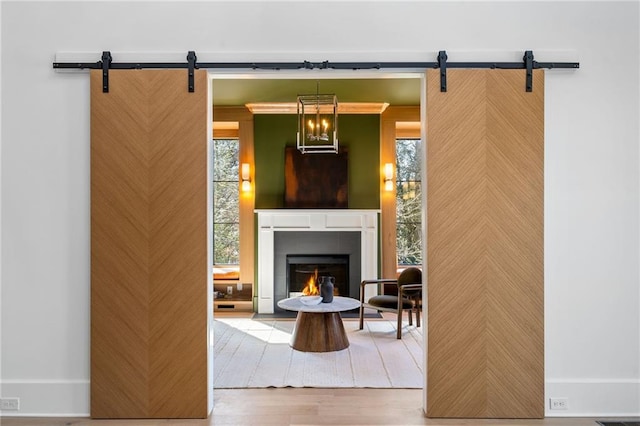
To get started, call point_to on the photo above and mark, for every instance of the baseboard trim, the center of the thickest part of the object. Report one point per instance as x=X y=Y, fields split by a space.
x=586 y=397
x=12 y=414
x=594 y=397
x=48 y=398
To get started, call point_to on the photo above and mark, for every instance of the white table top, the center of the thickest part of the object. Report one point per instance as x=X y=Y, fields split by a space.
x=339 y=304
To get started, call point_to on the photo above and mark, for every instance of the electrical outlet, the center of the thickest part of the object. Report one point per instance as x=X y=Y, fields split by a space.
x=10 y=404
x=559 y=403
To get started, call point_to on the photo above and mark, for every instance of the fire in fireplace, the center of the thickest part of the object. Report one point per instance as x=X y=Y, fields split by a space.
x=304 y=272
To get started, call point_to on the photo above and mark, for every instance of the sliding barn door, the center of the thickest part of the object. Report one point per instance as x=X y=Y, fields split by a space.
x=149 y=233
x=485 y=244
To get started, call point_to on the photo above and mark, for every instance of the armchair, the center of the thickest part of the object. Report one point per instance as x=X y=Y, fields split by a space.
x=409 y=297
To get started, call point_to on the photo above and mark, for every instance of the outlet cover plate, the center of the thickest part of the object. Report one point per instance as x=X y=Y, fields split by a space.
x=10 y=404
x=559 y=403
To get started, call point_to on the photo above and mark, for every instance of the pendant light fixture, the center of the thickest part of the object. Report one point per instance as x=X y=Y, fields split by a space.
x=317 y=123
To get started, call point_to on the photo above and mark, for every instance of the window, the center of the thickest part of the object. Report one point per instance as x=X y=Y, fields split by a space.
x=408 y=202
x=226 y=212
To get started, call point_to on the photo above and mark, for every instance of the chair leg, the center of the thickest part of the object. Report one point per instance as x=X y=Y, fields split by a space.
x=417 y=315
x=410 y=317
x=399 y=335
x=361 y=317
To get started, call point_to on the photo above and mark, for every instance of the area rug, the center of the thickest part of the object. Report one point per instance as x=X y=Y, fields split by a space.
x=250 y=353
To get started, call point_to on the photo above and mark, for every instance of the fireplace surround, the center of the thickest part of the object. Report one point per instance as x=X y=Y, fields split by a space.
x=325 y=251
x=340 y=222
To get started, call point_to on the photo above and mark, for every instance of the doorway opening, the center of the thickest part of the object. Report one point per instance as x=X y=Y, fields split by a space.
x=270 y=92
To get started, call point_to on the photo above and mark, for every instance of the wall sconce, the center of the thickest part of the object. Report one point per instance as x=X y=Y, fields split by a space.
x=245 y=174
x=388 y=177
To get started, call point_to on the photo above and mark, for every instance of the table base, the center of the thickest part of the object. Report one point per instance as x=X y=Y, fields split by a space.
x=319 y=332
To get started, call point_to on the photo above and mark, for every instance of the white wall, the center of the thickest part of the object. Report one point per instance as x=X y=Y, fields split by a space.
x=592 y=259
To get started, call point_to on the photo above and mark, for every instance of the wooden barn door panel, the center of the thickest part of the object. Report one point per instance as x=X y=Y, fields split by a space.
x=149 y=248
x=485 y=147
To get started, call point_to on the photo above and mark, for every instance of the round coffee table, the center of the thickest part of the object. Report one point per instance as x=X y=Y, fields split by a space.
x=319 y=327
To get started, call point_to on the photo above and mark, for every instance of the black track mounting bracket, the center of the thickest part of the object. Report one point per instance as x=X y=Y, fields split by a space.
x=191 y=65
x=315 y=65
x=105 y=64
x=442 y=63
x=528 y=64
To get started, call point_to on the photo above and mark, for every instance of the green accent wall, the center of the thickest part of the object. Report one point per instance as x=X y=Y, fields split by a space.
x=359 y=133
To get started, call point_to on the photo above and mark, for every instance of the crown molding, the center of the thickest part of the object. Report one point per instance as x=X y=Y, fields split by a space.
x=292 y=107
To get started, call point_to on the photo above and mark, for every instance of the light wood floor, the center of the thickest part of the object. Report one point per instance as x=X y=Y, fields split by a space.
x=307 y=406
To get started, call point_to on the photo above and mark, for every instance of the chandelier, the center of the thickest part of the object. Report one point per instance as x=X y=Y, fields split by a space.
x=317 y=123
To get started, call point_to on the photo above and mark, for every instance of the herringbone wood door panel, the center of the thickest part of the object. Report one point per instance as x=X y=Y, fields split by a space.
x=485 y=147
x=149 y=245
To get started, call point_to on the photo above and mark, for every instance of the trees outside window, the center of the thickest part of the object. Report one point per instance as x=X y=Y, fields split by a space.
x=408 y=202
x=226 y=224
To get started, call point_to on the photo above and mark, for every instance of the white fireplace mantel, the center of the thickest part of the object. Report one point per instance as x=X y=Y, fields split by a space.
x=283 y=220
